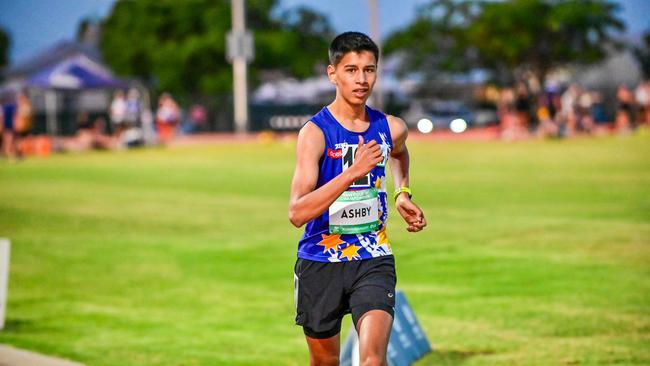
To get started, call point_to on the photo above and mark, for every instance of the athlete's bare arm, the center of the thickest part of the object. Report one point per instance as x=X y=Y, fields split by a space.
x=305 y=203
x=399 y=166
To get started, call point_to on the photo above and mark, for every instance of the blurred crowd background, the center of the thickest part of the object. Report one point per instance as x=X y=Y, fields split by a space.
x=153 y=70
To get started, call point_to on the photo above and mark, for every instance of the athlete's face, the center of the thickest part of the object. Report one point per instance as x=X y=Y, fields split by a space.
x=354 y=76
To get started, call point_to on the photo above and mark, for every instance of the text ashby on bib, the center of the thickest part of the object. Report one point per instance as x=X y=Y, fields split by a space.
x=355 y=212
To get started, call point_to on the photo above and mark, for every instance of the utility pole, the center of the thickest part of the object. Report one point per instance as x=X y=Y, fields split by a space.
x=240 y=52
x=373 y=10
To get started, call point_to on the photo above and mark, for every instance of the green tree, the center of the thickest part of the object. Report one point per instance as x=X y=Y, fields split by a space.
x=538 y=35
x=435 y=41
x=181 y=46
x=295 y=44
x=177 y=46
x=5 y=42
x=507 y=37
x=307 y=34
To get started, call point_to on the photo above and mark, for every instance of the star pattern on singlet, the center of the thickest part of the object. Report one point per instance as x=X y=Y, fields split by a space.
x=350 y=252
x=382 y=238
x=331 y=242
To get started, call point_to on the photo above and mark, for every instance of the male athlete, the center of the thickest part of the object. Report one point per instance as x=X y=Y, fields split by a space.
x=345 y=263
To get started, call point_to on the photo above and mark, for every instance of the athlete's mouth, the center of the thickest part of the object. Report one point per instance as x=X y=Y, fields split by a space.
x=360 y=92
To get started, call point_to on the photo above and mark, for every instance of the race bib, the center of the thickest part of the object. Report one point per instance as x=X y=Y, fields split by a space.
x=348 y=154
x=355 y=212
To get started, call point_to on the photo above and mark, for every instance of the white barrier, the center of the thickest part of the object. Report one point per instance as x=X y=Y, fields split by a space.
x=4 y=278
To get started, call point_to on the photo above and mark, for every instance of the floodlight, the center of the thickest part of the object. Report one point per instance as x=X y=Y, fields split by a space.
x=425 y=125
x=458 y=125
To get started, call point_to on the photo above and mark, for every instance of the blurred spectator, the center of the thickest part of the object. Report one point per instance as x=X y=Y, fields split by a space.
x=625 y=107
x=550 y=99
x=2 y=124
x=584 y=108
x=118 y=113
x=22 y=121
x=90 y=135
x=197 y=120
x=8 y=131
x=511 y=128
x=132 y=110
x=568 y=112
x=642 y=96
x=598 y=109
x=547 y=126
x=167 y=117
x=523 y=106
x=83 y=123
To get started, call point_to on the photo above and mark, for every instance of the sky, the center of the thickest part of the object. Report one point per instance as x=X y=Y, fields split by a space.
x=35 y=25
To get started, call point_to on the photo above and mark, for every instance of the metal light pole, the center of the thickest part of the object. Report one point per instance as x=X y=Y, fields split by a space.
x=240 y=51
x=51 y=125
x=375 y=34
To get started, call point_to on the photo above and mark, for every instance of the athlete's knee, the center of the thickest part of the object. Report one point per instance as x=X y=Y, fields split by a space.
x=374 y=360
x=324 y=360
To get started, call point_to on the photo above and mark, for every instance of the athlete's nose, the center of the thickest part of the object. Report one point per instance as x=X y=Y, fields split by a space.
x=362 y=78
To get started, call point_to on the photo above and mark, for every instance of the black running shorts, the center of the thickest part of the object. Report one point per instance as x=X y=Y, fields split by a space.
x=324 y=292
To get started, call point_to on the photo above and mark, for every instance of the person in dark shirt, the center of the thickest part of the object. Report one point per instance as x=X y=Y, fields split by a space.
x=8 y=132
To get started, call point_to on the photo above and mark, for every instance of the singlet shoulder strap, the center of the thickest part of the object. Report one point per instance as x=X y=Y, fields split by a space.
x=374 y=114
x=380 y=123
x=320 y=121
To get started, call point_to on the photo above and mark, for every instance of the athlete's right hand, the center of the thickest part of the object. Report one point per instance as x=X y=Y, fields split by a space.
x=366 y=157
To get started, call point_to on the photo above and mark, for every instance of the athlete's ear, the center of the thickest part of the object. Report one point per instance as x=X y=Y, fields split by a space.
x=331 y=73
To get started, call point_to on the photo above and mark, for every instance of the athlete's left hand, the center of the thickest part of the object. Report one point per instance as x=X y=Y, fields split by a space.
x=411 y=213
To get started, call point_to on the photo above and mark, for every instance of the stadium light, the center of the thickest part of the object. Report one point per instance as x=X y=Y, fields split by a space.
x=425 y=125
x=458 y=125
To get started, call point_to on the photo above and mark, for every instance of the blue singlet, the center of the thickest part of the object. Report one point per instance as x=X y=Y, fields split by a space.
x=351 y=234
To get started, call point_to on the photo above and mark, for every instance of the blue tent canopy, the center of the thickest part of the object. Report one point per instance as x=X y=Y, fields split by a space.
x=75 y=73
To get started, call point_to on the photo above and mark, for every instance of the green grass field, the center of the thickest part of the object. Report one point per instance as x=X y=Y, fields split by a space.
x=536 y=253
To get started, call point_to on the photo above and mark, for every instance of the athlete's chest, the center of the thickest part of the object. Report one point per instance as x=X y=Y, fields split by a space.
x=341 y=154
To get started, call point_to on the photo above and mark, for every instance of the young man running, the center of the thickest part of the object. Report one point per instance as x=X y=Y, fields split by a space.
x=345 y=263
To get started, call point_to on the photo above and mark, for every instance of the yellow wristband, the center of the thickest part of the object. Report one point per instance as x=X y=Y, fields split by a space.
x=399 y=190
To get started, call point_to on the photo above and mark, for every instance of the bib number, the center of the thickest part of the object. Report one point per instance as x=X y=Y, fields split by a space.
x=355 y=212
x=348 y=153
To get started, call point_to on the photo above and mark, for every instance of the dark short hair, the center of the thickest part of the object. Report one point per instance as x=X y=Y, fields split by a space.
x=351 y=42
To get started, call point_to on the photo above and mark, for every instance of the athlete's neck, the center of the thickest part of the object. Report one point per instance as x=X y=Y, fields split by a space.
x=346 y=112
